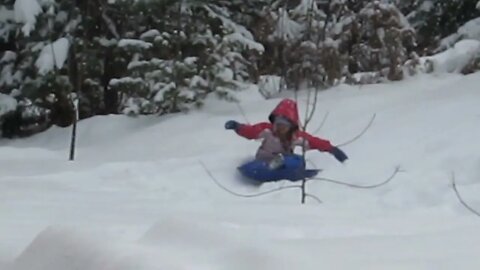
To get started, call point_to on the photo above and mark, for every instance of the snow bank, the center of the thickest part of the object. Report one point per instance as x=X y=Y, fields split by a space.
x=470 y=30
x=455 y=59
x=140 y=196
x=63 y=249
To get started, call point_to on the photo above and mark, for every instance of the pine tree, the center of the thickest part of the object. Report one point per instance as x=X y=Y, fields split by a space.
x=436 y=19
x=382 y=41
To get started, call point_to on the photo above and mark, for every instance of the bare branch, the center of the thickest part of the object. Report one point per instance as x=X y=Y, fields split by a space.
x=361 y=133
x=313 y=197
x=110 y=24
x=454 y=186
x=322 y=123
x=242 y=112
x=245 y=195
x=390 y=178
x=312 y=112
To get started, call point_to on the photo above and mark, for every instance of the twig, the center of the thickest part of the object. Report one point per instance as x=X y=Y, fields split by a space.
x=361 y=133
x=322 y=123
x=245 y=195
x=313 y=197
x=460 y=197
x=242 y=112
x=315 y=99
x=390 y=178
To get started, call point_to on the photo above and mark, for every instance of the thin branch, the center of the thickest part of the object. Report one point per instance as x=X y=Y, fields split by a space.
x=108 y=21
x=460 y=197
x=315 y=99
x=329 y=15
x=322 y=123
x=110 y=25
x=390 y=178
x=242 y=112
x=307 y=109
x=361 y=133
x=313 y=197
x=215 y=180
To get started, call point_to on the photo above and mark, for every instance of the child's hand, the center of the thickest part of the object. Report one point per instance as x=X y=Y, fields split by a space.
x=231 y=125
x=338 y=154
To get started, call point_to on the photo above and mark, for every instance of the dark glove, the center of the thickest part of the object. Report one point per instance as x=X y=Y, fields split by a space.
x=338 y=154
x=232 y=125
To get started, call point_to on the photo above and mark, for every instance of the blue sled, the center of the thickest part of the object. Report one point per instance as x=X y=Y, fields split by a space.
x=293 y=169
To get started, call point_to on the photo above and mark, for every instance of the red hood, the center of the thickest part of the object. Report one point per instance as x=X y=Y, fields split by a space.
x=286 y=108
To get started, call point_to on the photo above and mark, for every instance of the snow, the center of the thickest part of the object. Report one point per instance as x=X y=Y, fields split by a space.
x=225 y=74
x=304 y=7
x=6 y=76
x=26 y=12
x=190 y=60
x=426 y=6
x=55 y=52
x=470 y=30
x=7 y=104
x=6 y=14
x=269 y=85
x=457 y=58
x=238 y=32
x=159 y=96
x=134 y=43
x=62 y=16
x=150 y=34
x=107 y=42
x=137 y=197
x=248 y=43
x=8 y=56
x=125 y=80
x=286 y=28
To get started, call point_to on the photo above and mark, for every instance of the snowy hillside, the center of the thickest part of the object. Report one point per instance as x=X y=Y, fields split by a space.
x=139 y=198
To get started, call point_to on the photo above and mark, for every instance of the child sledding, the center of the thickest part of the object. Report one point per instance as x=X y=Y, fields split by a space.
x=275 y=159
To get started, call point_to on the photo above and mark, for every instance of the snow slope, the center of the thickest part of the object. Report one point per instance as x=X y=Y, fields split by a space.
x=138 y=198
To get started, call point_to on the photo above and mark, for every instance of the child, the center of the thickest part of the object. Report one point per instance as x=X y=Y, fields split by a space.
x=281 y=135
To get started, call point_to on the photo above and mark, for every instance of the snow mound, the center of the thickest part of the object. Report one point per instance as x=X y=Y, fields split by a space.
x=455 y=59
x=65 y=249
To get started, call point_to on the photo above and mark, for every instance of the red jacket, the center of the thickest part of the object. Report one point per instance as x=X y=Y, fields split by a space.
x=288 y=109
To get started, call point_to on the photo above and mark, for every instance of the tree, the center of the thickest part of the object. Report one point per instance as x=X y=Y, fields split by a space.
x=435 y=19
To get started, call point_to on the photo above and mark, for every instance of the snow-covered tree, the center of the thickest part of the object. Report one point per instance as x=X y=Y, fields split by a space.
x=436 y=19
x=381 y=40
x=178 y=62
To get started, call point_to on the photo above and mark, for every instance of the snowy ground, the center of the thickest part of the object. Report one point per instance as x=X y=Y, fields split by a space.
x=138 y=198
